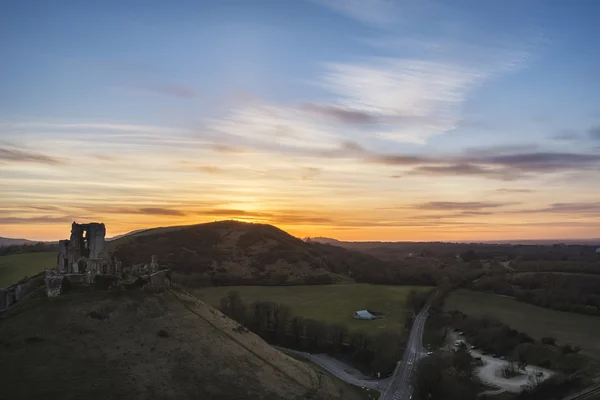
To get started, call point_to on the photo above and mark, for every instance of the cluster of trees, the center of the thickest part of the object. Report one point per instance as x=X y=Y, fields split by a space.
x=558 y=252
x=276 y=324
x=27 y=248
x=445 y=377
x=580 y=267
x=563 y=292
x=499 y=339
x=554 y=388
x=489 y=335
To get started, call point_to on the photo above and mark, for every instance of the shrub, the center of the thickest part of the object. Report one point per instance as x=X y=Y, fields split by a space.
x=163 y=334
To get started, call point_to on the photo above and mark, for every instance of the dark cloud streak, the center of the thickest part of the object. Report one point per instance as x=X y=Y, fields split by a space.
x=14 y=155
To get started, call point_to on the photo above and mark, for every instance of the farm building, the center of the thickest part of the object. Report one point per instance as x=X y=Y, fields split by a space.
x=363 y=314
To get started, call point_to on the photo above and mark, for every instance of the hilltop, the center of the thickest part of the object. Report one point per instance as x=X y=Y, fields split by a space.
x=11 y=241
x=134 y=345
x=231 y=252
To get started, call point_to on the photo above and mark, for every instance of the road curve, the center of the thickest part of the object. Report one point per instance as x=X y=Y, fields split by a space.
x=400 y=387
x=337 y=369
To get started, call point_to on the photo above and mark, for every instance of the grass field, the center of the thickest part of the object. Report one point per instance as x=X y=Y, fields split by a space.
x=577 y=329
x=15 y=267
x=330 y=303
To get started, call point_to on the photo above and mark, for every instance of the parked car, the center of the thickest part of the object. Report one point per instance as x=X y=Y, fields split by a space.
x=430 y=353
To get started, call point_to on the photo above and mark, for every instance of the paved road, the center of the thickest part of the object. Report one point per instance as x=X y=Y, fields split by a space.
x=339 y=369
x=400 y=387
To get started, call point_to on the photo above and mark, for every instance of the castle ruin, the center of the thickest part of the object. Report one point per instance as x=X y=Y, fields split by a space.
x=84 y=253
x=83 y=257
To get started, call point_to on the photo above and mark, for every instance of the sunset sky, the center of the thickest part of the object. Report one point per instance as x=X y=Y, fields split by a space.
x=353 y=119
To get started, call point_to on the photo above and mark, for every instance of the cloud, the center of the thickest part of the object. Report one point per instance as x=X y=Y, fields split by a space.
x=310 y=173
x=467 y=206
x=159 y=211
x=372 y=12
x=209 y=169
x=223 y=148
x=571 y=208
x=35 y=220
x=14 y=155
x=514 y=190
x=466 y=169
x=340 y=114
x=415 y=99
x=594 y=133
x=100 y=210
x=543 y=161
x=180 y=91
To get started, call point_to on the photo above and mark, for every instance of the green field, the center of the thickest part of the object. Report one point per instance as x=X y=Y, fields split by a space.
x=15 y=267
x=334 y=304
x=577 y=329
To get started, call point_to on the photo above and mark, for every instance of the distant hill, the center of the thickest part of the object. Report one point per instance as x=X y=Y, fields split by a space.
x=18 y=242
x=324 y=240
x=237 y=253
x=125 y=234
x=133 y=345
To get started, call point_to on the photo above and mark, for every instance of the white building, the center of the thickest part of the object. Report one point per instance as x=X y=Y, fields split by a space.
x=364 y=314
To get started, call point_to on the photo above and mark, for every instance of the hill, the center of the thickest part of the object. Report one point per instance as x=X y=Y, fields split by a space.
x=10 y=241
x=237 y=253
x=134 y=345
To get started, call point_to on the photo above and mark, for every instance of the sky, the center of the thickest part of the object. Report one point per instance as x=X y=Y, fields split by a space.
x=353 y=119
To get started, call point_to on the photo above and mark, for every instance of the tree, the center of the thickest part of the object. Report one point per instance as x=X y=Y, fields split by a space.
x=233 y=306
x=549 y=341
x=462 y=361
x=427 y=380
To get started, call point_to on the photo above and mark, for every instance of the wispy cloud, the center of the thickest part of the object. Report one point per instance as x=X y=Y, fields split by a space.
x=594 y=133
x=459 y=205
x=35 y=220
x=467 y=170
x=514 y=190
x=209 y=169
x=373 y=12
x=174 y=90
x=26 y=156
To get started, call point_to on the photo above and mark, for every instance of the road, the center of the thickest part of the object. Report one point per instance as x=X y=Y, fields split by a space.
x=396 y=387
x=400 y=387
x=339 y=369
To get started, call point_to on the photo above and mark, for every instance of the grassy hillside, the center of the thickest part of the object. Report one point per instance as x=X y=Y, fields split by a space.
x=536 y=321
x=131 y=345
x=334 y=304
x=231 y=252
x=15 y=267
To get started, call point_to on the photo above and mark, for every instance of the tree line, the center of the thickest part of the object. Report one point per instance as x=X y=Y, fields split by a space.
x=563 y=292
x=28 y=248
x=275 y=323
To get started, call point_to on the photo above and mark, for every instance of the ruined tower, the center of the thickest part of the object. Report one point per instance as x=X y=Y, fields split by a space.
x=84 y=252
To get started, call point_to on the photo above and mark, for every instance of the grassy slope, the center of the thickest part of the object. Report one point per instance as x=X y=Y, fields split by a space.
x=52 y=348
x=582 y=330
x=15 y=267
x=330 y=303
